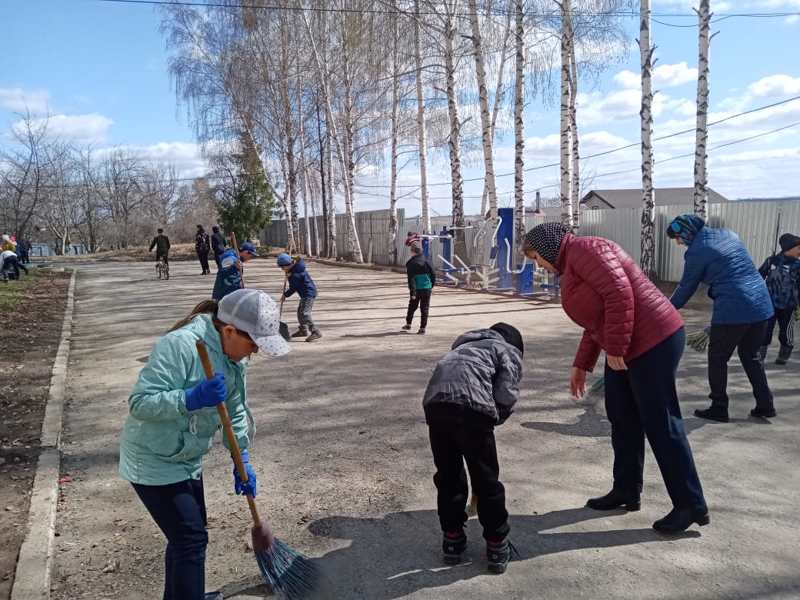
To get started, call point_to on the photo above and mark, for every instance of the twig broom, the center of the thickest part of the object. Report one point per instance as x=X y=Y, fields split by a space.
x=287 y=572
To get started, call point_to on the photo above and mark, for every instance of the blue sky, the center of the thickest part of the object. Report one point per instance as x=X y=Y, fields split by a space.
x=100 y=70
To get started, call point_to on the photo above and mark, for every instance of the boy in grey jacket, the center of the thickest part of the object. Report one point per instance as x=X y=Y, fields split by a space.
x=473 y=388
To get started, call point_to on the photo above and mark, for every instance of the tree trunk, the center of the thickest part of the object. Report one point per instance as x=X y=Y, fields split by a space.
x=353 y=244
x=333 y=244
x=576 y=155
x=421 y=135
x=393 y=225
x=324 y=189
x=519 y=124
x=486 y=124
x=323 y=75
x=498 y=91
x=700 y=170
x=566 y=121
x=454 y=142
x=648 y=236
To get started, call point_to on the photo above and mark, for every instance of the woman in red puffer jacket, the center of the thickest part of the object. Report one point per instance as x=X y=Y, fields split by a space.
x=642 y=334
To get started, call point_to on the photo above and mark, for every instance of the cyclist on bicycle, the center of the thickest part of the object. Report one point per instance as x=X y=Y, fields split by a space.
x=161 y=244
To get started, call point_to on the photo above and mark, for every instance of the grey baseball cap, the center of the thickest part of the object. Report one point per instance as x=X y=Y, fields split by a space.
x=255 y=313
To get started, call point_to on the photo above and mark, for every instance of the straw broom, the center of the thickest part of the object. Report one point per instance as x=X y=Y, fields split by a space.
x=287 y=572
x=698 y=340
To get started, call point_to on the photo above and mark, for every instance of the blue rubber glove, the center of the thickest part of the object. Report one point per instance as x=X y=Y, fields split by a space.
x=248 y=488
x=207 y=393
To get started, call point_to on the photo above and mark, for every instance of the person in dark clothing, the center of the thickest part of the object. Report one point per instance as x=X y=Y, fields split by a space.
x=782 y=275
x=300 y=281
x=742 y=309
x=202 y=245
x=474 y=387
x=217 y=245
x=23 y=251
x=161 y=244
x=421 y=280
x=624 y=314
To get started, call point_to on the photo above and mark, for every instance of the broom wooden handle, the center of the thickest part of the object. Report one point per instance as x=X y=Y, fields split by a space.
x=227 y=427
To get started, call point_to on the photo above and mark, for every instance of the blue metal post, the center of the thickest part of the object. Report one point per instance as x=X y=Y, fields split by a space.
x=426 y=247
x=525 y=280
x=506 y=232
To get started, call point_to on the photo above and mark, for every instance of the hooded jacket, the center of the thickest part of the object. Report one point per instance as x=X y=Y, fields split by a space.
x=421 y=275
x=605 y=292
x=162 y=442
x=300 y=281
x=481 y=373
x=718 y=258
x=229 y=278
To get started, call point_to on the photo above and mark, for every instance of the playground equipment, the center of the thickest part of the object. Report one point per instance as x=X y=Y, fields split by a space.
x=493 y=265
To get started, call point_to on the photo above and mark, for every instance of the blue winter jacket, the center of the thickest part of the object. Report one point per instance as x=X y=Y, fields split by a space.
x=229 y=278
x=718 y=258
x=300 y=281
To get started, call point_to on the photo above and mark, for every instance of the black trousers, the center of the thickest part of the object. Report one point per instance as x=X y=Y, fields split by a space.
x=179 y=510
x=643 y=402
x=165 y=256
x=458 y=434
x=421 y=299
x=11 y=267
x=748 y=339
x=785 y=320
x=216 y=260
x=203 y=257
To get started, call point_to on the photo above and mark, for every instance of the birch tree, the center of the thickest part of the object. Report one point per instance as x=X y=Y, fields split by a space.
x=421 y=135
x=519 y=124
x=566 y=120
x=486 y=123
x=701 y=138
x=648 y=235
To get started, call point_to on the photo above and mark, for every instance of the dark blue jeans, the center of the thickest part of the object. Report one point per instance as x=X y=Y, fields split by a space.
x=179 y=510
x=643 y=402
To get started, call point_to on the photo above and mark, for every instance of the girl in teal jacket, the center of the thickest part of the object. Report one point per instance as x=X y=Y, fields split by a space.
x=173 y=420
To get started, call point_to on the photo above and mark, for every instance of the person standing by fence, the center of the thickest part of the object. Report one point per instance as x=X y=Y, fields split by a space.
x=782 y=275
x=202 y=245
x=421 y=280
x=742 y=309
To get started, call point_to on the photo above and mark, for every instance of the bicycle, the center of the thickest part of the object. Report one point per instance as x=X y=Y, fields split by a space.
x=162 y=268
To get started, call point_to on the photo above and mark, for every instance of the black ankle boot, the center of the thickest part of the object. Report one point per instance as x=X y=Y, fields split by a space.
x=713 y=413
x=763 y=413
x=616 y=499
x=680 y=519
x=783 y=355
x=454 y=543
x=498 y=555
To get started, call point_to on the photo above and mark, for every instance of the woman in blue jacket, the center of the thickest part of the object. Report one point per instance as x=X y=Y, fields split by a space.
x=173 y=420
x=742 y=308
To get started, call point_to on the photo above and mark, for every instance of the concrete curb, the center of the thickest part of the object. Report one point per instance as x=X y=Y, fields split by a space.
x=35 y=562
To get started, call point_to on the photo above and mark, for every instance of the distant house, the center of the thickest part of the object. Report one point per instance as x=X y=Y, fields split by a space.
x=605 y=199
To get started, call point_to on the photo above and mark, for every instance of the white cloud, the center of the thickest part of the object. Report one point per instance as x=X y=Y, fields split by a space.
x=20 y=100
x=664 y=76
x=186 y=157
x=775 y=85
x=80 y=128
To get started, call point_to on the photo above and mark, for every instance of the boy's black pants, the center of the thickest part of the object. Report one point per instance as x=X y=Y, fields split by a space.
x=458 y=434
x=785 y=320
x=421 y=299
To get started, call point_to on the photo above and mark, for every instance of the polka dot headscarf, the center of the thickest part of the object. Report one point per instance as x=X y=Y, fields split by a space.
x=545 y=240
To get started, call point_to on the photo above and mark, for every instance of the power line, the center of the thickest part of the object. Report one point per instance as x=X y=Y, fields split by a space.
x=325 y=9
x=613 y=150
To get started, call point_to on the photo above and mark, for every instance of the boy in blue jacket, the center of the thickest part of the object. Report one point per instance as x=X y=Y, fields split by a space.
x=229 y=275
x=300 y=281
x=782 y=275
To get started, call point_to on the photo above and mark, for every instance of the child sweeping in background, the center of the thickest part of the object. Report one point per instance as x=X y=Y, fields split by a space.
x=173 y=420
x=473 y=388
x=300 y=281
x=229 y=275
x=421 y=279
x=782 y=274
